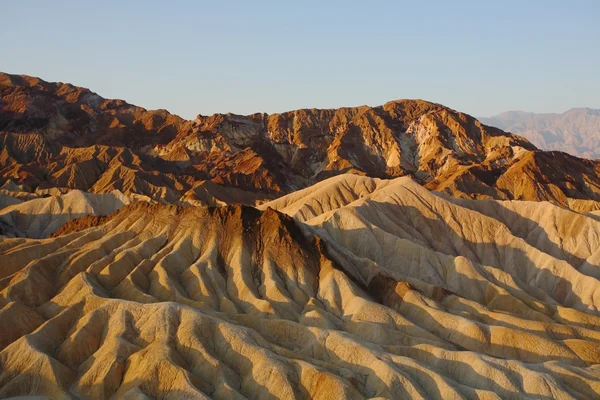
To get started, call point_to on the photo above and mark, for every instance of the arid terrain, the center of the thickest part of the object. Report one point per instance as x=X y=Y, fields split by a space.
x=400 y=251
x=56 y=137
x=576 y=131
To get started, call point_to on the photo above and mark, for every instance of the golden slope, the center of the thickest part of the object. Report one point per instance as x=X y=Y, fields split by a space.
x=378 y=289
x=41 y=217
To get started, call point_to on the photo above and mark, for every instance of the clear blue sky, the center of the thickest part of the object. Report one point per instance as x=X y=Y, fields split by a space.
x=481 y=57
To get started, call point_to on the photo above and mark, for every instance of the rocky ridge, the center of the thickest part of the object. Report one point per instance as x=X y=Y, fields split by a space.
x=400 y=251
x=57 y=136
x=367 y=288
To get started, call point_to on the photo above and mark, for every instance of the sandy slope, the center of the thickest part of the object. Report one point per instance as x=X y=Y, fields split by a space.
x=41 y=217
x=374 y=289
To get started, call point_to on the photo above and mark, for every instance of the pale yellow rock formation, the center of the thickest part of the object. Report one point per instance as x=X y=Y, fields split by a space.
x=374 y=289
x=41 y=217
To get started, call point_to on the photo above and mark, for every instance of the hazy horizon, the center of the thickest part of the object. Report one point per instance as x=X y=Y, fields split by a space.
x=199 y=58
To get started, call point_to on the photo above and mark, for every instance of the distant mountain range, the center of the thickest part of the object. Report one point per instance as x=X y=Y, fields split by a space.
x=576 y=131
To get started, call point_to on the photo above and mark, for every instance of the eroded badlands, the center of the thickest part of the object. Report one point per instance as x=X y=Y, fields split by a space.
x=352 y=288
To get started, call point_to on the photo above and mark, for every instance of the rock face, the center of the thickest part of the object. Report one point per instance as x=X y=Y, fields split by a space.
x=576 y=131
x=55 y=136
x=400 y=251
x=353 y=288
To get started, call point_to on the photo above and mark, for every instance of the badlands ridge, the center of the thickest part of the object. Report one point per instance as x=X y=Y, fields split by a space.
x=354 y=288
x=56 y=137
x=400 y=251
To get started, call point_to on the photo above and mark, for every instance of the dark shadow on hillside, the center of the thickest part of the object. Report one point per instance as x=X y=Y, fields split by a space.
x=442 y=238
x=437 y=235
x=522 y=227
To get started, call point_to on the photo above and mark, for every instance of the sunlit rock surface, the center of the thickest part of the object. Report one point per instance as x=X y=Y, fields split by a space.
x=352 y=288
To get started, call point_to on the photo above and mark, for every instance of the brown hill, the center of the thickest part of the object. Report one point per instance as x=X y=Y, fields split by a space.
x=55 y=135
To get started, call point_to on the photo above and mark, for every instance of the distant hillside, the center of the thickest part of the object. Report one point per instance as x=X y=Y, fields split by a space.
x=576 y=131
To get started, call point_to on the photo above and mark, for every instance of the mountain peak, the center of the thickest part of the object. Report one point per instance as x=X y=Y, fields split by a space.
x=94 y=144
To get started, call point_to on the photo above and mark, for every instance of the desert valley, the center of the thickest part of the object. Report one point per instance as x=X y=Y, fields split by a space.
x=400 y=251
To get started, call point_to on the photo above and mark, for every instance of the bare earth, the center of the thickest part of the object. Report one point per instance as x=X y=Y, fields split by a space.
x=375 y=288
x=400 y=251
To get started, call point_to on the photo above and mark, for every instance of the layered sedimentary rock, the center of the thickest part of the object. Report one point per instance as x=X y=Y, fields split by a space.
x=56 y=136
x=400 y=251
x=353 y=288
x=41 y=217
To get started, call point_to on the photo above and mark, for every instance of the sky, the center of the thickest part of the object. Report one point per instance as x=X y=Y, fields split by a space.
x=203 y=57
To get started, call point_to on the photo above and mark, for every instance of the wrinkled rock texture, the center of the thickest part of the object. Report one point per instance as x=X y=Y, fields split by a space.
x=401 y=251
x=354 y=288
